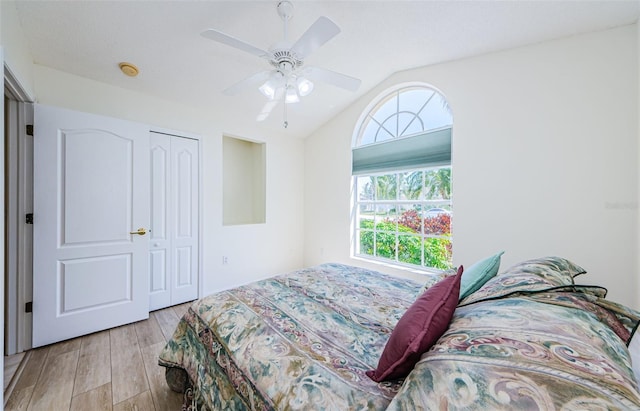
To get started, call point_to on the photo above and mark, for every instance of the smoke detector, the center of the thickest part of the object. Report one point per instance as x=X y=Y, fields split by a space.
x=129 y=69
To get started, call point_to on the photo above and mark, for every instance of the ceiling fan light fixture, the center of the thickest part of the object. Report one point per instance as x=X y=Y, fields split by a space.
x=285 y=82
x=291 y=96
x=268 y=89
x=305 y=86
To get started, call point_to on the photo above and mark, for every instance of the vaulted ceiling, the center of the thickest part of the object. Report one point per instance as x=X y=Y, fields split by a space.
x=378 y=38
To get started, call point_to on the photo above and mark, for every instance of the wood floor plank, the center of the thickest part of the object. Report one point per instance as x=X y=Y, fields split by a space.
x=13 y=367
x=94 y=363
x=181 y=309
x=168 y=320
x=65 y=346
x=141 y=402
x=11 y=363
x=149 y=332
x=55 y=385
x=163 y=398
x=33 y=368
x=19 y=399
x=98 y=399
x=128 y=378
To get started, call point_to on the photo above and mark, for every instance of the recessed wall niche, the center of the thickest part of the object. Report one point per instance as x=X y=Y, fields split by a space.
x=243 y=181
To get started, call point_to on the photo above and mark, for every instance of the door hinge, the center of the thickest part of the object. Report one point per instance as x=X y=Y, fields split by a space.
x=30 y=130
x=28 y=218
x=28 y=307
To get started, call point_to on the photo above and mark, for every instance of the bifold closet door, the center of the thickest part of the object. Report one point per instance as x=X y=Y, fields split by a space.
x=173 y=242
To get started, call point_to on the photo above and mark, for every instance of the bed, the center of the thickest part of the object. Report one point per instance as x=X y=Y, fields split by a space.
x=316 y=339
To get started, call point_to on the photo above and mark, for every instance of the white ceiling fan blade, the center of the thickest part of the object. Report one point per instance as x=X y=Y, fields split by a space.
x=250 y=82
x=319 y=33
x=269 y=105
x=331 y=77
x=223 y=38
x=266 y=110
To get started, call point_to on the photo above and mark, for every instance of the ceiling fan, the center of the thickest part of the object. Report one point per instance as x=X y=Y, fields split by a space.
x=289 y=79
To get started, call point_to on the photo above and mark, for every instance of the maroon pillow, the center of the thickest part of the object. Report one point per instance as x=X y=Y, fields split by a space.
x=418 y=329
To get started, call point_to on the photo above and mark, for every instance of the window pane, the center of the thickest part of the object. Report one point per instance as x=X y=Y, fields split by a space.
x=366 y=242
x=385 y=218
x=410 y=218
x=408 y=123
x=365 y=188
x=413 y=127
x=369 y=134
x=437 y=253
x=386 y=110
x=410 y=249
x=386 y=245
x=437 y=221
x=438 y=184
x=386 y=187
x=411 y=185
x=413 y=99
x=366 y=216
x=388 y=129
x=437 y=113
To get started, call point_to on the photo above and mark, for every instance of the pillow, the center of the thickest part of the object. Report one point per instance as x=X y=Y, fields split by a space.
x=533 y=275
x=475 y=276
x=418 y=329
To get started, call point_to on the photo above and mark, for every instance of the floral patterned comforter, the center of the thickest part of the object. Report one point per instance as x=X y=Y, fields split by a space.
x=298 y=341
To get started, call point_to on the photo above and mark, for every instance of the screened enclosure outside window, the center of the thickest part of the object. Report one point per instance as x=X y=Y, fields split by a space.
x=402 y=177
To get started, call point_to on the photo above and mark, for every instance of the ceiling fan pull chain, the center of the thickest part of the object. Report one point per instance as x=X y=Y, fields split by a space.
x=285 y=123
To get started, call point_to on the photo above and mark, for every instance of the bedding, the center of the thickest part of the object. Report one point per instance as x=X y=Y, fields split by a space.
x=302 y=340
x=528 y=338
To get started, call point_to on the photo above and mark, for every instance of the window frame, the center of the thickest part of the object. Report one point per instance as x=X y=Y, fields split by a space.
x=421 y=204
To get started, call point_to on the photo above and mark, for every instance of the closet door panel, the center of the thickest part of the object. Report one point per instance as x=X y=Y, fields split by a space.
x=159 y=241
x=185 y=181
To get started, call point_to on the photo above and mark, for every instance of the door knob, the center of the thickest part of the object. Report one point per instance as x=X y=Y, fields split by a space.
x=141 y=231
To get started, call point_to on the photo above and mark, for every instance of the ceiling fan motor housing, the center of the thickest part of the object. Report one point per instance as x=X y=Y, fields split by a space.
x=285 y=60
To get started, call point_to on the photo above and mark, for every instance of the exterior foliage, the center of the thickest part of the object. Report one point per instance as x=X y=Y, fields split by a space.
x=393 y=228
x=410 y=248
x=439 y=224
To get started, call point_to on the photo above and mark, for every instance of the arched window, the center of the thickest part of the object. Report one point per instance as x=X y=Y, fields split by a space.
x=402 y=177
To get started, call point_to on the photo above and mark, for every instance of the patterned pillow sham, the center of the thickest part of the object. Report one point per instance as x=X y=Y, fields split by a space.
x=523 y=353
x=436 y=278
x=532 y=275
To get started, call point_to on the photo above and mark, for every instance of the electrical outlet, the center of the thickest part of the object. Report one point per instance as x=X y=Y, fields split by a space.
x=225 y=260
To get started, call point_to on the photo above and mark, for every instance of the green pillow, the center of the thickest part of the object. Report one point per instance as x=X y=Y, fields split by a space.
x=475 y=276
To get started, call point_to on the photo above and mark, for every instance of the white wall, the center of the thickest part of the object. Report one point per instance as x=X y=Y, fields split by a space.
x=545 y=159
x=273 y=247
x=253 y=251
x=16 y=52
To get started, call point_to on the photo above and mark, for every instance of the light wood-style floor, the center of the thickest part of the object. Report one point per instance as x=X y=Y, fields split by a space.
x=113 y=370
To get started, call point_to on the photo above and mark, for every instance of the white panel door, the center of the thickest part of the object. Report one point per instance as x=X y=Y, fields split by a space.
x=91 y=195
x=174 y=242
